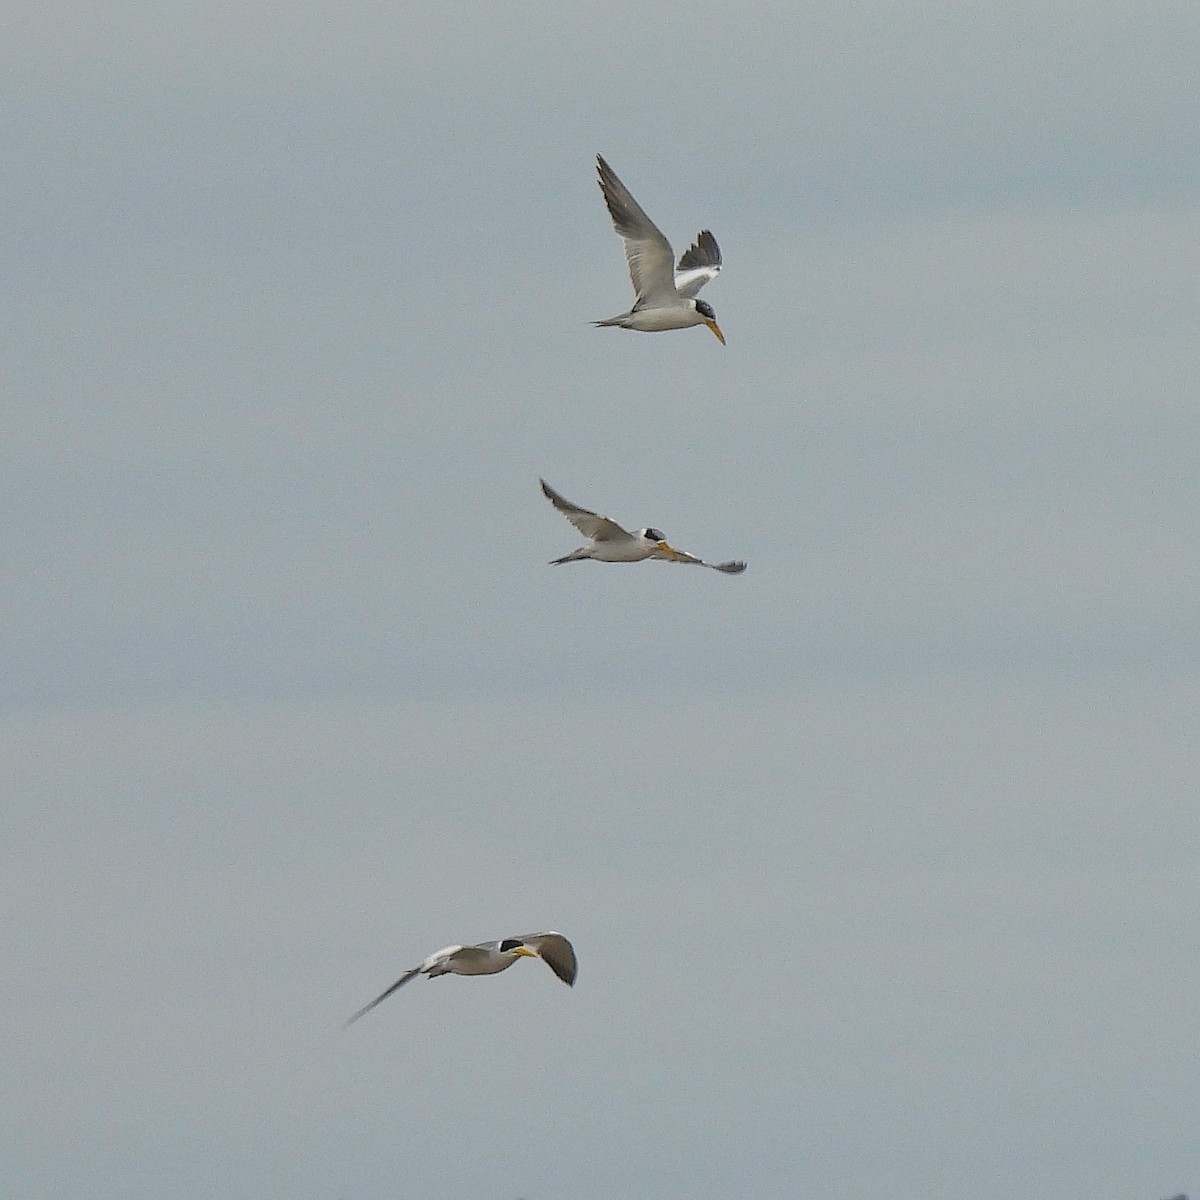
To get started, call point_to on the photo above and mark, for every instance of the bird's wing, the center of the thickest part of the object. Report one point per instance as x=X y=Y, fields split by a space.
x=556 y=952
x=384 y=995
x=699 y=264
x=734 y=567
x=648 y=253
x=590 y=524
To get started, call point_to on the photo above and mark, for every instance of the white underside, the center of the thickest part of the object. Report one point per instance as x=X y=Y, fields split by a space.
x=657 y=320
x=466 y=960
x=630 y=551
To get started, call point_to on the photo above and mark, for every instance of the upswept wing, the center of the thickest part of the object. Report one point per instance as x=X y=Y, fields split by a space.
x=590 y=524
x=699 y=264
x=556 y=952
x=647 y=252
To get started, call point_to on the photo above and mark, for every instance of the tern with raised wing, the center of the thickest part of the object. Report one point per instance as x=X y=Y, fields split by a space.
x=489 y=958
x=609 y=542
x=664 y=295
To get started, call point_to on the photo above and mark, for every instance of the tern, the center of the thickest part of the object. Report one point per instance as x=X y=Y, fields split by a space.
x=665 y=296
x=489 y=958
x=608 y=542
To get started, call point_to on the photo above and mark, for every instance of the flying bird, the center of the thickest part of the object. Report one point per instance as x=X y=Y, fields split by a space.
x=608 y=542
x=665 y=295
x=488 y=958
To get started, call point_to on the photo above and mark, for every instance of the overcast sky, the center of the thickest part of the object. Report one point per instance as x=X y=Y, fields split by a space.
x=880 y=859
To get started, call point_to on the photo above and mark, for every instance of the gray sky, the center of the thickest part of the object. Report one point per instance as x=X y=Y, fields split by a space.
x=880 y=859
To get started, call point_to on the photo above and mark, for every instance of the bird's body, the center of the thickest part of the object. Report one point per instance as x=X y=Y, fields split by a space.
x=484 y=959
x=664 y=295
x=490 y=958
x=609 y=542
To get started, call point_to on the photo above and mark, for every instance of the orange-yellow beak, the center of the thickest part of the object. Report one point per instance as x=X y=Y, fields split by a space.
x=524 y=952
x=716 y=330
x=667 y=549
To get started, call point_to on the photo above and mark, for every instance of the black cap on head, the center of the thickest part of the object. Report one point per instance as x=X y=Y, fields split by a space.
x=510 y=944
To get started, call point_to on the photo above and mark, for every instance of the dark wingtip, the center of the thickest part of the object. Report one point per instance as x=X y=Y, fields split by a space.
x=703 y=252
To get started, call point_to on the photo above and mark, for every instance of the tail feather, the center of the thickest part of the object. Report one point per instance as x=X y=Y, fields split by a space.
x=575 y=556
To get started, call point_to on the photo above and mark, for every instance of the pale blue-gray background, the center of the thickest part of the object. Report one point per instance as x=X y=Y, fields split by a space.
x=881 y=859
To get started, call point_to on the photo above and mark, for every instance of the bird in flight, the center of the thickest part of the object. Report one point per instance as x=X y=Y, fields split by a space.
x=488 y=958
x=608 y=542
x=664 y=295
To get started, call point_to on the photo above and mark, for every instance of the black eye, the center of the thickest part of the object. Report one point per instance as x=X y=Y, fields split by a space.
x=510 y=944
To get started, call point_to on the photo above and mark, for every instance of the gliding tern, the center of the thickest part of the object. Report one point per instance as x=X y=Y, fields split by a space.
x=489 y=958
x=608 y=542
x=665 y=297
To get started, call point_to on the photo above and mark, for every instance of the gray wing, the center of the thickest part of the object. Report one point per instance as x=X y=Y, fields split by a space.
x=384 y=995
x=734 y=567
x=699 y=264
x=648 y=253
x=556 y=952
x=590 y=524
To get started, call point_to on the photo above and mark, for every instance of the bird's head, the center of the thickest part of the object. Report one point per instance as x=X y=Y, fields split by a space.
x=710 y=318
x=517 y=947
x=660 y=542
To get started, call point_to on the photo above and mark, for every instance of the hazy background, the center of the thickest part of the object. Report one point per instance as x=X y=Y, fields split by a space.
x=881 y=859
